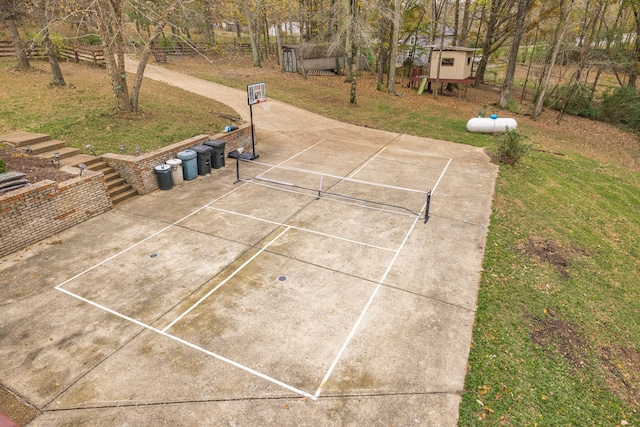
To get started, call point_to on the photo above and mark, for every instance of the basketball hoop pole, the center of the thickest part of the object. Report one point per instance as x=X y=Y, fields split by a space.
x=253 y=139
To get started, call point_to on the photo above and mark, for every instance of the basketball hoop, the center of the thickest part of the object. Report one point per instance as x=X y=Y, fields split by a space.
x=265 y=104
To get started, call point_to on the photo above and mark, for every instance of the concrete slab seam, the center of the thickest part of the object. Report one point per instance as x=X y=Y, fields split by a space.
x=370 y=159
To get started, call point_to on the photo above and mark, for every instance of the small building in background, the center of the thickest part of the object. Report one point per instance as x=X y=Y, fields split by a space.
x=452 y=64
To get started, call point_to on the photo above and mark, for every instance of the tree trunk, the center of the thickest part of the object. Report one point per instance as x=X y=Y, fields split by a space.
x=397 y=15
x=589 y=27
x=18 y=44
x=505 y=95
x=382 y=52
x=146 y=52
x=209 y=31
x=560 y=32
x=353 y=49
x=58 y=79
x=110 y=18
x=40 y=12
x=279 y=45
x=465 y=23
x=456 y=23
x=251 y=25
x=635 y=59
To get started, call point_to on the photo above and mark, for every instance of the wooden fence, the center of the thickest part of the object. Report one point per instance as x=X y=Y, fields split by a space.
x=80 y=53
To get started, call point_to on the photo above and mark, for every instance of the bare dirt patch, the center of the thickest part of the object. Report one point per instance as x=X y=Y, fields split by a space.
x=557 y=333
x=550 y=252
x=622 y=372
x=36 y=168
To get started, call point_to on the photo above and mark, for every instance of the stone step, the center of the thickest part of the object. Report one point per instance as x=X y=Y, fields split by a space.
x=22 y=139
x=109 y=176
x=63 y=152
x=42 y=147
x=119 y=189
x=80 y=158
x=123 y=196
x=116 y=183
x=100 y=166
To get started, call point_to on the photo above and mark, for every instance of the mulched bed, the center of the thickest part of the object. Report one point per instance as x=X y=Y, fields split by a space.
x=36 y=168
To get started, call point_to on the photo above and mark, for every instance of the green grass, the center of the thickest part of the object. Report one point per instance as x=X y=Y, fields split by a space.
x=82 y=113
x=590 y=211
x=553 y=345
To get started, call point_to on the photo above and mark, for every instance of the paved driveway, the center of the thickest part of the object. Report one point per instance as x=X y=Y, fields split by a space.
x=258 y=303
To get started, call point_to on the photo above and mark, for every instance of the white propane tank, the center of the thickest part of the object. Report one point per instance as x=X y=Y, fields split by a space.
x=492 y=124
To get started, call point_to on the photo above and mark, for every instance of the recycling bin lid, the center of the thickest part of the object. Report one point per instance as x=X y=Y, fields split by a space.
x=187 y=155
x=163 y=167
x=202 y=149
x=215 y=143
x=173 y=162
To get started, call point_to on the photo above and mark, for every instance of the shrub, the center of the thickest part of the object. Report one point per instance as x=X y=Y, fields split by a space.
x=622 y=106
x=3 y=167
x=582 y=103
x=511 y=147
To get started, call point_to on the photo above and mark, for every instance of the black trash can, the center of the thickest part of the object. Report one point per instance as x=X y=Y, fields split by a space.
x=204 y=158
x=217 y=152
x=164 y=176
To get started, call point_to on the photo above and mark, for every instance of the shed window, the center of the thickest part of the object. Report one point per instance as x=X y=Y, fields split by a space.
x=447 y=62
x=468 y=60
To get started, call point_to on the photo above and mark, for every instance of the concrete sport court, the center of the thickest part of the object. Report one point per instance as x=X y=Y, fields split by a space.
x=274 y=300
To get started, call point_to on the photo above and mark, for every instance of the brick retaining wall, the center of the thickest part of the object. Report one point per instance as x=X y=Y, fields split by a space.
x=138 y=170
x=35 y=212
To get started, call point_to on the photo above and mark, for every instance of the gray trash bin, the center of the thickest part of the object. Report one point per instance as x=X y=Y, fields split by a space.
x=189 y=164
x=217 y=152
x=176 y=171
x=204 y=158
x=164 y=176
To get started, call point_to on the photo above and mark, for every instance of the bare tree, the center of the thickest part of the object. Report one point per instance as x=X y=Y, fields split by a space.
x=41 y=12
x=10 y=12
x=108 y=17
x=588 y=34
x=561 y=30
x=397 y=15
x=505 y=95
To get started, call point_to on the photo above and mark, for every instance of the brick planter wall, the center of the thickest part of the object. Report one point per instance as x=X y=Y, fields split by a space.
x=138 y=170
x=33 y=213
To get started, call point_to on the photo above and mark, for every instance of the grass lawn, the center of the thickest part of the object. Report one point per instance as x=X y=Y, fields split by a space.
x=557 y=333
x=83 y=112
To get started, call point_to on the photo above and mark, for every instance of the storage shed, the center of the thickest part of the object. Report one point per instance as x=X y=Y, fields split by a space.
x=314 y=57
x=455 y=63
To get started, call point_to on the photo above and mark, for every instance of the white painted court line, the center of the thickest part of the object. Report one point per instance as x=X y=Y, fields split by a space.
x=441 y=176
x=364 y=311
x=59 y=286
x=208 y=294
x=419 y=153
x=193 y=346
x=307 y=230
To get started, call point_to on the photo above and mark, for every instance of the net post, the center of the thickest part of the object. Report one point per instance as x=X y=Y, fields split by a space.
x=426 y=209
x=320 y=189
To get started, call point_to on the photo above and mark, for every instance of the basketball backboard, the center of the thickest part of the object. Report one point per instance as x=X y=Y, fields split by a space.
x=256 y=93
